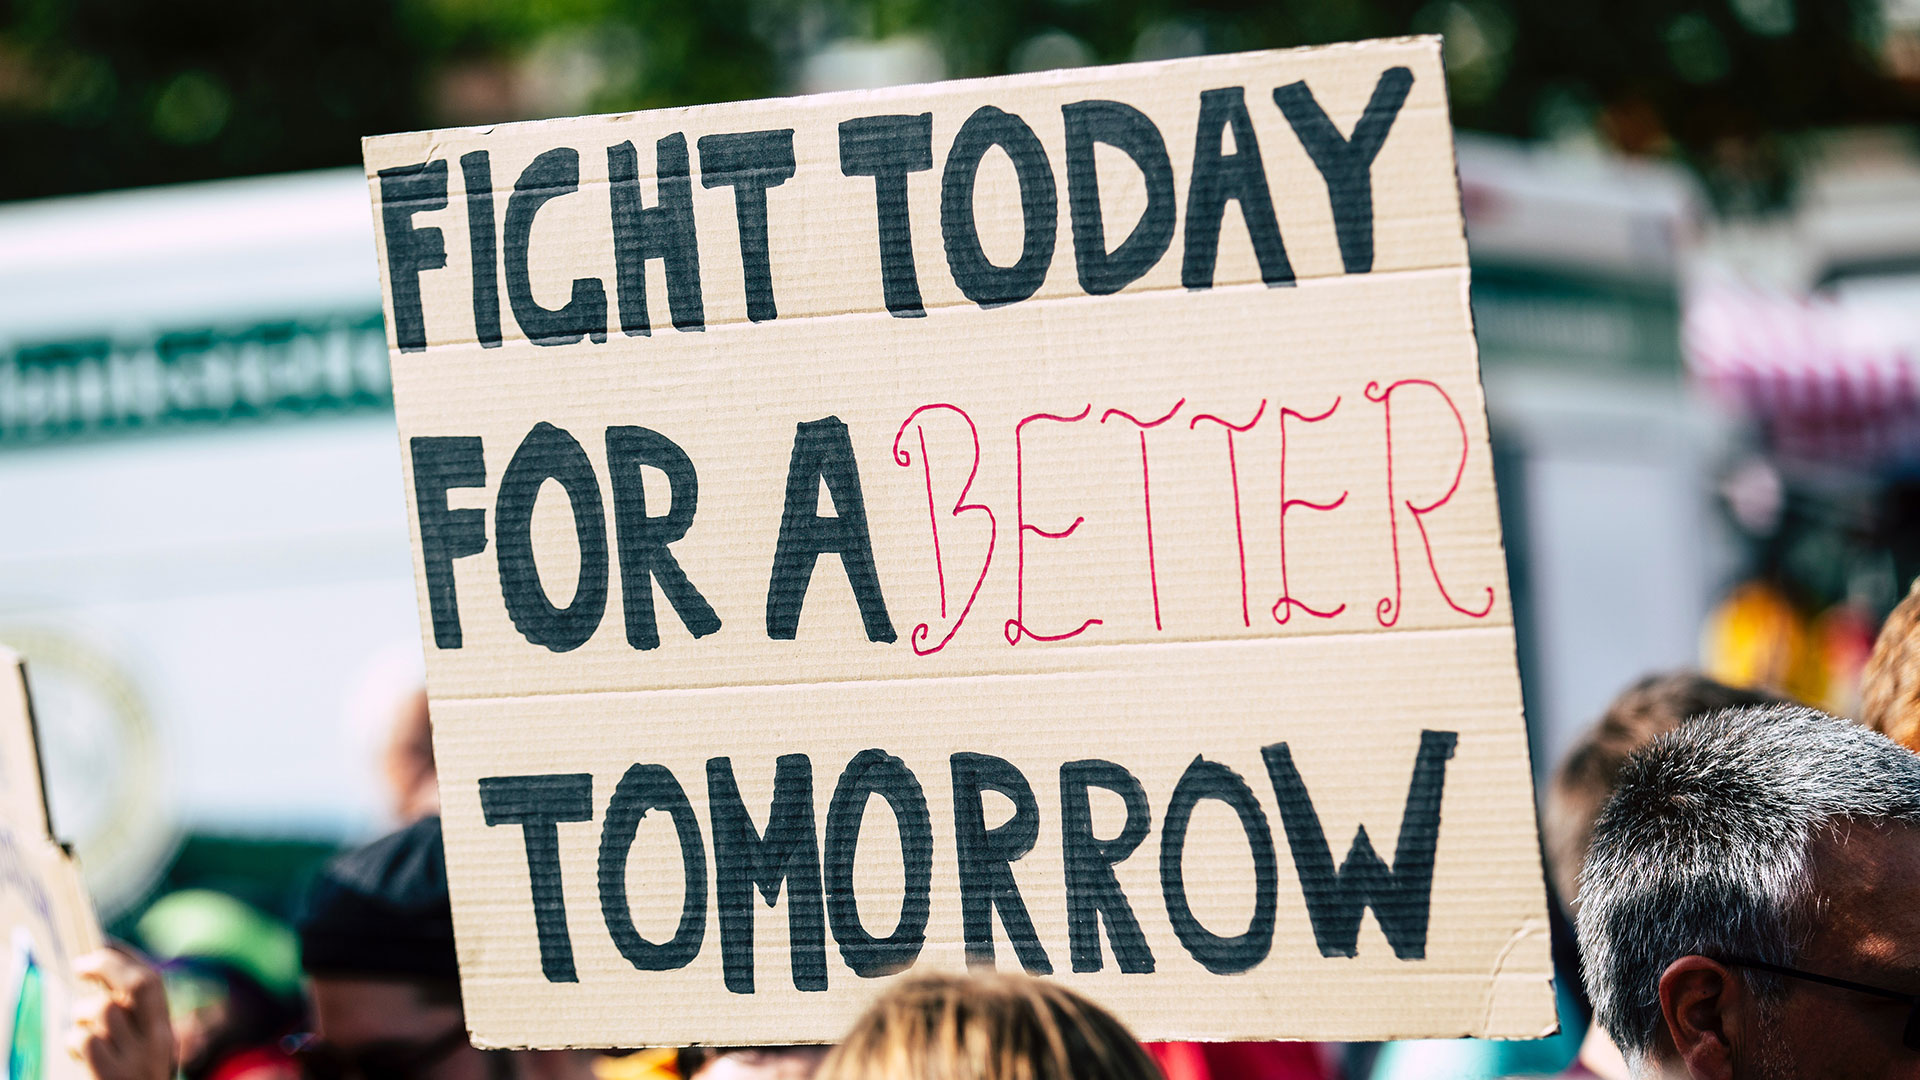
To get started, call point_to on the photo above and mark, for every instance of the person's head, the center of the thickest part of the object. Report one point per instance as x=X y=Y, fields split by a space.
x=232 y=975
x=1580 y=786
x=986 y=1027
x=376 y=943
x=412 y=779
x=1766 y=836
x=1890 y=686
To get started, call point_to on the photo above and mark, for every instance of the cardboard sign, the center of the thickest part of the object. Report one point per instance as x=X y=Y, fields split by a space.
x=45 y=912
x=1041 y=522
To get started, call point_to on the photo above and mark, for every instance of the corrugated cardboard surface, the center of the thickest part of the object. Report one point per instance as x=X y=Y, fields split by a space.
x=1365 y=384
x=44 y=908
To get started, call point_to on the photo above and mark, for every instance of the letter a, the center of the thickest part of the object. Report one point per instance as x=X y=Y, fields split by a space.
x=823 y=452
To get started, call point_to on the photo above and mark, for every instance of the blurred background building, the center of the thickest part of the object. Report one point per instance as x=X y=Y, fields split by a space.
x=1694 y=224
x=205 y=556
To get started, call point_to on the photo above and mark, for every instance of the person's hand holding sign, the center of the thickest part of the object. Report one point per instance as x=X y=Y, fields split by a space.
x=121 y=1030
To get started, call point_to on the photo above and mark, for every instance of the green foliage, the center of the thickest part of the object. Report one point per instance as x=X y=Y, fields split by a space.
x=112 y=93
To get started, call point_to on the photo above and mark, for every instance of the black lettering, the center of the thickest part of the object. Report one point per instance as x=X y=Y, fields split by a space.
x=644 y=554
x=643 y=789
x=823 y=452
x=549 y=176
x=477 y=169
x=750 y=162
x=550 y=453
x=439 y=465
x=887 y=148
x=664 y=231
x=980 y=280
x=404 y=192
x=745 y=860
x=1093 y=892
x=1346 y=164
x=875 y=772
x=1221 y=178
x=538 y=804
x=987 y=857
x=1401 y=896
x=1221 y=955
x=1130 y=131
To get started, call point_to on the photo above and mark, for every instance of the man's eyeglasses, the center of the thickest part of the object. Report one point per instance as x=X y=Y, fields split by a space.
x=1910 y=1035
x=395 y=1060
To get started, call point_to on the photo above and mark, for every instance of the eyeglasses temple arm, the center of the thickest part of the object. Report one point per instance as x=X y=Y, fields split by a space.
x=1828 y=980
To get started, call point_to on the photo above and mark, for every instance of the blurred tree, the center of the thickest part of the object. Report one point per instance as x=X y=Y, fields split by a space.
x=110 y=93
x=113 y=93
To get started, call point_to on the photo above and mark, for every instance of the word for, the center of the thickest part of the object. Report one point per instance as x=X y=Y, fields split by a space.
x=815 y=866
x=823 y=454
x=886 y=149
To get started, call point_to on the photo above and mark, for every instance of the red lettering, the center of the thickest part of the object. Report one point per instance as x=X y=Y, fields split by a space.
x=1016 y=627
x=961 y=506
x=1233 y=473
x=1388 y=610
x=1146 y=492
x=1283 y=607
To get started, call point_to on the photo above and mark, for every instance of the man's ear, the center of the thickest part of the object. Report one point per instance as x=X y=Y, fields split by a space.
x=1701 y=1004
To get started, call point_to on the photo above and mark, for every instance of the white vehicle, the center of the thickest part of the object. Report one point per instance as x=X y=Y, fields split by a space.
x=205 y=557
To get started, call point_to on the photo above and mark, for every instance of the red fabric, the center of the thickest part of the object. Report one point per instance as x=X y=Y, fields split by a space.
x=1240 y=1061
x=257 y=1063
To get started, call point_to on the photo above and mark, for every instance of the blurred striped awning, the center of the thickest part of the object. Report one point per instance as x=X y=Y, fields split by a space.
x=1829 y=377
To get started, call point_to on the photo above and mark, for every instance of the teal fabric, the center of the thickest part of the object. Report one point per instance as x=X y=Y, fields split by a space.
x=1486 y=1059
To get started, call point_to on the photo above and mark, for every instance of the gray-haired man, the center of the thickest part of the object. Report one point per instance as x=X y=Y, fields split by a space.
x=1750 y=907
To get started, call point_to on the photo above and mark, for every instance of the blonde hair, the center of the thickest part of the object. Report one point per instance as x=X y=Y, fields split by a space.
x=986 y=1027
x=1890 y=686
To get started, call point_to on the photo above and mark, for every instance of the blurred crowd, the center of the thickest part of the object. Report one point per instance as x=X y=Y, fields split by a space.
x=1729 y=877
